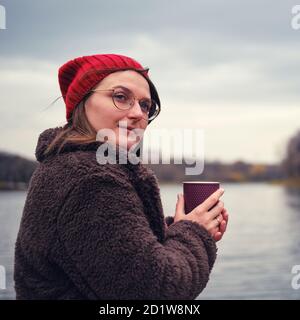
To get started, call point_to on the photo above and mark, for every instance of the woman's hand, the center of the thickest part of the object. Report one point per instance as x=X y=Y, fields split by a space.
x=223 y=225
x=211 y=214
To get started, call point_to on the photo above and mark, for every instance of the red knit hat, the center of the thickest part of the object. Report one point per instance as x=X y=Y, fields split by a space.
x=78 y=76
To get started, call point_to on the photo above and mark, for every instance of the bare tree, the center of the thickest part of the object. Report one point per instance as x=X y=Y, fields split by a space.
x=291 y=163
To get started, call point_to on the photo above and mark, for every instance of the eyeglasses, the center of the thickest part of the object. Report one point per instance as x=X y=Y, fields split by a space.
x=125 y=100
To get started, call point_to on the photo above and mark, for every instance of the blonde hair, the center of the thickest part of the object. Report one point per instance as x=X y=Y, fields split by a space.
x=77 y=130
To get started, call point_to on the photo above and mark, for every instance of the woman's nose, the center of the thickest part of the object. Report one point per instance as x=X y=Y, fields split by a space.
x=135 y=111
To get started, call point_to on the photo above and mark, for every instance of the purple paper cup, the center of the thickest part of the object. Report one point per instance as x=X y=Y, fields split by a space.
x=195 y=192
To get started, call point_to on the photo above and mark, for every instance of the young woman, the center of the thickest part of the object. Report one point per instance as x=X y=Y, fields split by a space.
x=97 y=231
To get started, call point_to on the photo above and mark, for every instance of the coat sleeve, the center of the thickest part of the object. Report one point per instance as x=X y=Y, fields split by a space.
x=115 y=255
x=169 y=220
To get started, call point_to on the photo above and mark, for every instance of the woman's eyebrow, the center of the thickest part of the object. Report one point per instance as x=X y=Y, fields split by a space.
x=120 y=86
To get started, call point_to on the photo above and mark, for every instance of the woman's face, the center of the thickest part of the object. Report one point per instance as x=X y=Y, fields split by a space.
x=102 y=113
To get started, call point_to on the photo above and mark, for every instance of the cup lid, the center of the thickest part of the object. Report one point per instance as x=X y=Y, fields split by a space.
x=204 y=182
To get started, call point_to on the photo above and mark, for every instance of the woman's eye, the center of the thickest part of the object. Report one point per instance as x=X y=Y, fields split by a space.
x=120 y=96
x=146 y=105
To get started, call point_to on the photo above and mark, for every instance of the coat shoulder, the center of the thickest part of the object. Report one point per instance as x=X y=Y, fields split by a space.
x=74 y=167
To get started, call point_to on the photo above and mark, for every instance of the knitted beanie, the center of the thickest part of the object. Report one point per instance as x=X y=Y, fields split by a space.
x=78 y=76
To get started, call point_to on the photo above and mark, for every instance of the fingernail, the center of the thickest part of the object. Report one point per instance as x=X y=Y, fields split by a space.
x=222 y=190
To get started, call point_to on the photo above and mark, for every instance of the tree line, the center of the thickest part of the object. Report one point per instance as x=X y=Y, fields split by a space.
x=16 y=171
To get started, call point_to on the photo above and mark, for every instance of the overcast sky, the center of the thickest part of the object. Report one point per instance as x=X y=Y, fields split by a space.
x=231 y=68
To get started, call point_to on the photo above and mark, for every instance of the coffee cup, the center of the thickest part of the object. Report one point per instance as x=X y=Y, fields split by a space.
x=195 y=192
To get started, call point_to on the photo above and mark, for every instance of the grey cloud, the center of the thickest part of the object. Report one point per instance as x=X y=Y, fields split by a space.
x=204 y=53
x=50 y=29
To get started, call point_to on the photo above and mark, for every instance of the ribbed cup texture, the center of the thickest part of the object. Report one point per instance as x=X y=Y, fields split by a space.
x=196 y=192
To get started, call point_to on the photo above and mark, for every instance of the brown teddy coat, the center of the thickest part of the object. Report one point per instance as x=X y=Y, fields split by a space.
x=92 y=231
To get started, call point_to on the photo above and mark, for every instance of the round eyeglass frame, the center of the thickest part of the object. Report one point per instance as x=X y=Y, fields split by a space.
x=155 y=114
